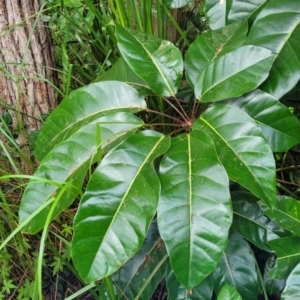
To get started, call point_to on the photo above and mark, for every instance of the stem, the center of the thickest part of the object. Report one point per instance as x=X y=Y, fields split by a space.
x=162 y=114
x=175 y=131
x=182 y=109
x=195 y=108
x=110 y=288
x=183 y=116
x=287 y=168
x=287 y=182
x=164 y=124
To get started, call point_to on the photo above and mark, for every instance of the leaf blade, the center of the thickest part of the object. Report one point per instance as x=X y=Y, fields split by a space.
x=228 y=292
x=292 y=288
x=210 y=45
x=288 y=255
x=177 y=291
x=140 y=275
x=286 y=213
x=237 y=268
x=70 y=160
x=231 y=75
x=156 y=61
x=283 y=23
x=191 y=198
x=242 y=149
x=221 y=13
x=85 y=105
x=278 y=124
x=112 y=201
x=250 y=221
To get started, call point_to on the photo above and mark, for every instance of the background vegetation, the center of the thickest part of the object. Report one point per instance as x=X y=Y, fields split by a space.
x=88 y=38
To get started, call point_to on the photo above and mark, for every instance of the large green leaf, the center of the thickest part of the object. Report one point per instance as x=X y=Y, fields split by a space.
x=177 y=291
x=116 y=210
x=279 y=125
x=176 y=3
x=288 y=256
x=70 y=160
x=232 y=75
x=292 y=288
x=156 y=61
x=210 y=45
x=194 y=212
x=273 y=286
x=242 y=149
x=83 y=106
x=277 y=28
x=237 y=268
x=120 y=71
x=224 y=12
x=250 y=221
x=140 y=275
x=286 y=213
x=228 y=292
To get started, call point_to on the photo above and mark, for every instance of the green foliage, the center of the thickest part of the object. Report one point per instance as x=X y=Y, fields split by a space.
x=177 y=171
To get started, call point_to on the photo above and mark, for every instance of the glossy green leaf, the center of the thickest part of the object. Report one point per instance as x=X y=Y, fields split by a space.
x=288 y=256
x=194 y=211
x=156 y=61
x=140 y=275
x=83 y=106
x=177 y=291
x=277 y=28
x=286 y=213
x=228 y=292
x=278 y=124
x=211 y=45
x=176 y=3
x=292 y=288
x=234 y=74
x=237 y=268
x=242 y=149
x=120 y=71
x=273 y=286
x=224 y=12
x=69 y=161
x=118 y=205
x=250 y=221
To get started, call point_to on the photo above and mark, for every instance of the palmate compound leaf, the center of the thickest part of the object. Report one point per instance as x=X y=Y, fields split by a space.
x=277 y=28
x=83 y=106
x=223 y=12
x=69 y=161
x=242 y=149
x=156 y=61
x=194 y=211
x=237 y=268
x=278 y=124
x=177 y=291
x=139 y=277
x=116 y=210
x=211 y=45
x=234 y=74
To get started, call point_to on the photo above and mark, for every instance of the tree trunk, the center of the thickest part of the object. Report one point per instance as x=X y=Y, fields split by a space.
x=27 y=64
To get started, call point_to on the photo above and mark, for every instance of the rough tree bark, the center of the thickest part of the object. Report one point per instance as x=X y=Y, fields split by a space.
x=26 y=62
